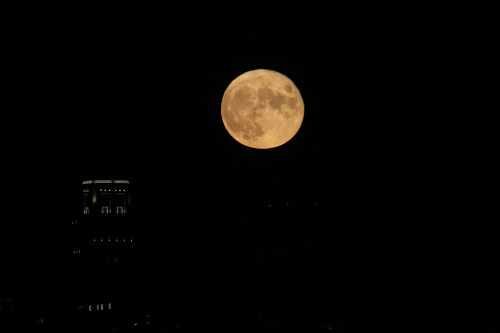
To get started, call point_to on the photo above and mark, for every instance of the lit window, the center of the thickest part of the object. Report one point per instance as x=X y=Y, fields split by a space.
x=119 y=210
x=86 y=210
x=94 y=239
x=109 y=239
x=102 y=306
x=104 y=210
x=117 y=239
x=130 y=239
x=101 y=238
x=97 y=307
x=109 y=306
x=90 y=307
x=124 y=239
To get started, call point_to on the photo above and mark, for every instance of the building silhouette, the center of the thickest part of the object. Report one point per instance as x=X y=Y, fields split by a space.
x=105 y=282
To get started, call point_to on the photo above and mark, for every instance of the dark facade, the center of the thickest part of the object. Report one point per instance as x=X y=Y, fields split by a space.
x=105 y=295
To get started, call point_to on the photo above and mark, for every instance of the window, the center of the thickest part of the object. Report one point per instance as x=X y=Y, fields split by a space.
x=86 y=210
x=109 y=306
x=97 y=307
x=104 y=210
x=119 y=210
x=90 y=307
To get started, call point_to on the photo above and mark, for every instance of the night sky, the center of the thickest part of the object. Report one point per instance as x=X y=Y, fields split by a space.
x=398 y=145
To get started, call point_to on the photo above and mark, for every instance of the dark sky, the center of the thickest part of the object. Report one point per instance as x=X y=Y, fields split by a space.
x=113 y=90
x=397 y=104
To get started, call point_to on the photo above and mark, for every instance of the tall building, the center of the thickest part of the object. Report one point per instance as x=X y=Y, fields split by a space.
x=104 y=266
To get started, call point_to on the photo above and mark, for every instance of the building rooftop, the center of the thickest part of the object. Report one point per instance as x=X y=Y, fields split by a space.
x=101 y=181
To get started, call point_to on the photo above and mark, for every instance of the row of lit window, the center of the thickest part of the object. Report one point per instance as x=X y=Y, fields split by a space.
x=86 y=190
x=98 y=307
x=105 y=210
x=76 y=251
x=116 y=240
x=74 y=222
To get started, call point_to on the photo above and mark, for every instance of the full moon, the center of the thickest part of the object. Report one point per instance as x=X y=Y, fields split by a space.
x=262 y=109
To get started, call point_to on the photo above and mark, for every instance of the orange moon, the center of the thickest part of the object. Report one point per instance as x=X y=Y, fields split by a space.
x=262 y=109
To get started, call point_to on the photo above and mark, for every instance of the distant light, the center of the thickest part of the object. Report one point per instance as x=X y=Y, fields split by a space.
x=90 y=307
x=109 y=306
x=135 y=324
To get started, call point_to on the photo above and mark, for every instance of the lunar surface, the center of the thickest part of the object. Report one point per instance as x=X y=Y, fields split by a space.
x=262 y=109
